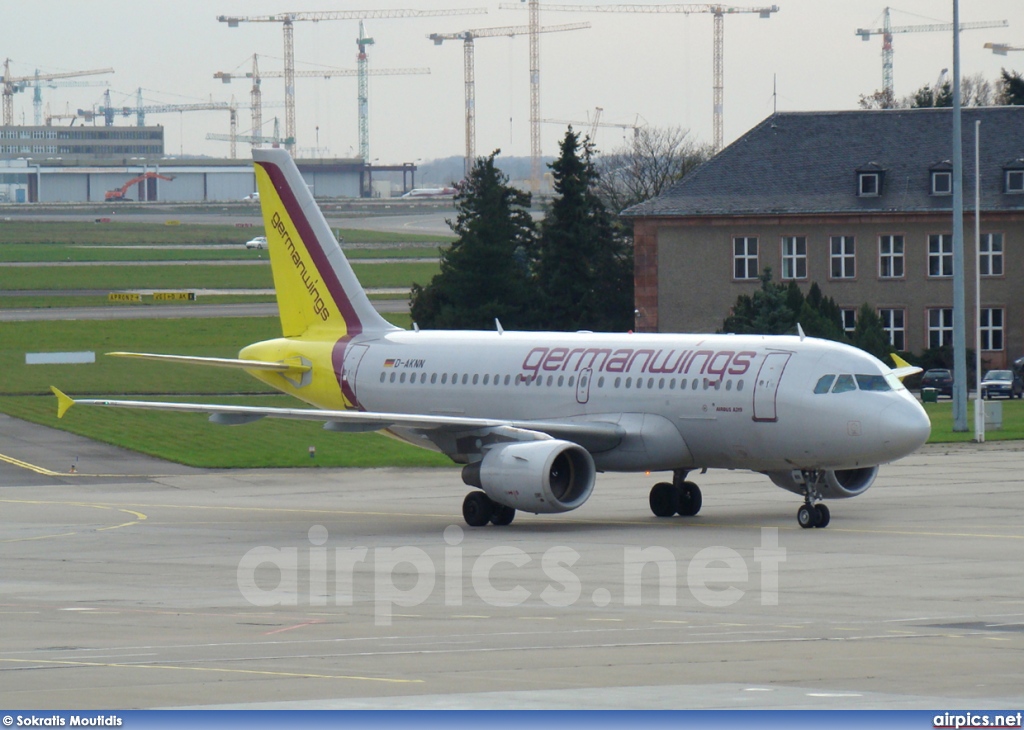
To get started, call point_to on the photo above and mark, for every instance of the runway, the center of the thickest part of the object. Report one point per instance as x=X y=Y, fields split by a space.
x=156 y=585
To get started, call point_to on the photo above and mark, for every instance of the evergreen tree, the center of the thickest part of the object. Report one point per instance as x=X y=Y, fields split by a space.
x=870 y=336
x=766 y=312
x=584 y=270
x=1011 y=88
x=485 y=274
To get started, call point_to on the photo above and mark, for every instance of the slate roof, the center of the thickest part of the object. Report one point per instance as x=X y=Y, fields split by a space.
x=807 y=163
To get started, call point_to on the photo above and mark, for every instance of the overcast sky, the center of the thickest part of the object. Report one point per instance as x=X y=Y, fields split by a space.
x=657 y=68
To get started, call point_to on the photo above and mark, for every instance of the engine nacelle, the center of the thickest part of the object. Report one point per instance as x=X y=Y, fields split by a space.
x=839 y=483
x=536 y=476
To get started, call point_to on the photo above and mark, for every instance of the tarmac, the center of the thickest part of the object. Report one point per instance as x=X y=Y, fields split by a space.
x=135 y=583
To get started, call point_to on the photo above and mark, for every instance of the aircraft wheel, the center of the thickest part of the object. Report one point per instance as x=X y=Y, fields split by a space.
x=806 y=516
x=823 y=515
x=663 y=499
x=502 y=515
x=689 y=499
x=477 y=509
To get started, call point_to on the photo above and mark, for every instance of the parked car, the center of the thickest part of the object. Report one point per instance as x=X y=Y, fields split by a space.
x=252 y=198
x=258 y=242
x=940 y=379
x=1001 y=383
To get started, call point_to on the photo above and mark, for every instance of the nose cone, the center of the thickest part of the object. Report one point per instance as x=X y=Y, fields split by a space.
x=904 y=427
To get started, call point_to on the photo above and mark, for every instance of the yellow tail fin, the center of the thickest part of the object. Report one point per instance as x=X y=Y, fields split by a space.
x=315 y=285
x=63 y=401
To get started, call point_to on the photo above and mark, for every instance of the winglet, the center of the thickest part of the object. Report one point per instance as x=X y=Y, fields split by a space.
x=903 y=368
x=63 y=401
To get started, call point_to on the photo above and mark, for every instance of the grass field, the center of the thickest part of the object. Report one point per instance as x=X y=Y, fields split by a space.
x=124 y=233
x=191 y=439
x=194 y=276
x=44 y=302
x=942 y=422
x=57 y=252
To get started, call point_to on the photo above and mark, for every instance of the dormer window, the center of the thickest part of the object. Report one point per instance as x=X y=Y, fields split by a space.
x=869 y=184
x=942 y=182
x=1015 y=181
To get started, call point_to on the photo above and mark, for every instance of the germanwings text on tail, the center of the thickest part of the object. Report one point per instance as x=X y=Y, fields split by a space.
x=535 y=416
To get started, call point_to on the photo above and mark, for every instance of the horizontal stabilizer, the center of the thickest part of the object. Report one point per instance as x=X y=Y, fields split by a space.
x=220 y=362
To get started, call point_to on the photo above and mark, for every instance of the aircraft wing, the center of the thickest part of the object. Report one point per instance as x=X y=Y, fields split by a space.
x=595 y=436
x=292 y=365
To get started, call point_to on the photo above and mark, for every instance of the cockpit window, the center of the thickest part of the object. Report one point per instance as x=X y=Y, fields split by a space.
x=824 y=383
x=872 y=382
x=844 y=384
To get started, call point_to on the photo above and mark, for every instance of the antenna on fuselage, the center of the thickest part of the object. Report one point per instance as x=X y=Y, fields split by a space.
x=497 y=325
x=800 y=331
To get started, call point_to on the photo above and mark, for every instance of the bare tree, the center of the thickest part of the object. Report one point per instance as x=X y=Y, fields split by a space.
x=643 y=168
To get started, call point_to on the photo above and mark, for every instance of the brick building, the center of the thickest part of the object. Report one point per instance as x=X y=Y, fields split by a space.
x=859 y=202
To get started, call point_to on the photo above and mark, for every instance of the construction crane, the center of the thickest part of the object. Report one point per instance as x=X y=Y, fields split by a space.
x=257 y=137
x=324 y=73
x=1001 y=49
x=288 y=21
x=468 y=37
x=888 y=29
x=718 y=11
x=121 y=192
x=18 y=83
x=596 y=122
x=37 y=96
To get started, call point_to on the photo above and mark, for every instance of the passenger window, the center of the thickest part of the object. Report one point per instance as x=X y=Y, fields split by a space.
x=433 y=378
x=551 y=379
x=600 y=382
x=444 y=378
x=661 y=383
x=572 y=381
x=401 y=379
x=872 y=382
x=618 y=382
x=824 y=383
x=392 y=377
x=465 y=378
x=509 y=376
x=694 y=386
x=739 y=386
x=561 y=380
x=728 y=385
x=844 y=384
x=382 y=377
x=487 y=378
x=629 y=382
x=476 y=378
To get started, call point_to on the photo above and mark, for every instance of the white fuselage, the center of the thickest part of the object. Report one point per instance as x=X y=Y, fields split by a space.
x=686 y=401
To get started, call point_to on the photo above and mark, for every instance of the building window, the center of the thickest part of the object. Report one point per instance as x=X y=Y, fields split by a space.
x=849 y=320
x=794 y=257
x=890 y=257
x=843 y=257
x=745 y=257
x=990 y=254
x=991 y=329
x=940 y=254
x=894 y=324
x=940 y=327
x=868 y=184
x=942 y=182
x=1015 y=181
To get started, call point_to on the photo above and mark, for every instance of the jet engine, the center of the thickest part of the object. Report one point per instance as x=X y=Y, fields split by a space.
x=839 y=483
x=536 y=476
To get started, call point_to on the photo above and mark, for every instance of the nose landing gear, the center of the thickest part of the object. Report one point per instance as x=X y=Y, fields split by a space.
x=811 y=514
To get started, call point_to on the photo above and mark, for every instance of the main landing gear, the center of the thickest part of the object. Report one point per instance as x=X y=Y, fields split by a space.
x=680 y=497
x=811 y=514
x=478 y=509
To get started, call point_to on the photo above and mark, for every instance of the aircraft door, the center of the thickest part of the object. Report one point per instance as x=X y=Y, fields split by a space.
x=583 y=385
x=349 y=368
x=766 y=386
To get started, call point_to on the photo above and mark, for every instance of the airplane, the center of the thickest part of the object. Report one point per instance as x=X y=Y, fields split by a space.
x=534 y=416
x=430 y=193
